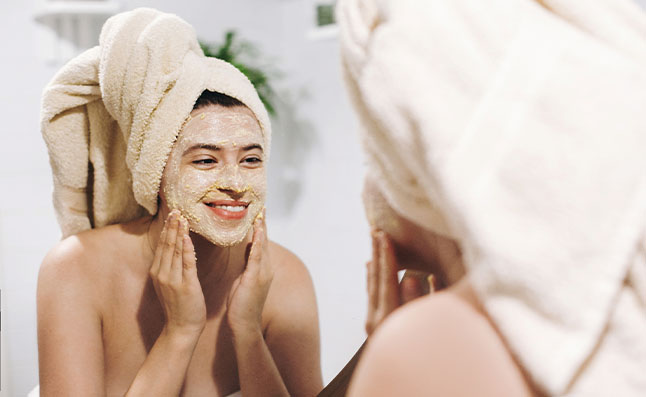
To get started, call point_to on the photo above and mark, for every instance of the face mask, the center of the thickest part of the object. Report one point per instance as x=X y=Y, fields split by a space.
x=215 y=174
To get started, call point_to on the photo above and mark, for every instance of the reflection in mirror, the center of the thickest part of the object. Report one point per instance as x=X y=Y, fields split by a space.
x=313 y=179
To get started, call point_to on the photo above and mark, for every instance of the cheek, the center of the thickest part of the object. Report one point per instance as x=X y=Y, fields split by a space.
x=181 y=184
x=192 y=185
x=170 y=180
x=258 y=183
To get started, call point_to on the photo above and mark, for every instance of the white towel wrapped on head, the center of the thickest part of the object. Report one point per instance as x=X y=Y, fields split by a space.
x=518 y=128
x=111 y=115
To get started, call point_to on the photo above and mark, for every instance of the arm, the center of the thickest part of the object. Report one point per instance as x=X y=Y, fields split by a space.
x=174 y=275
x=257 y=371
x=292 y=332
x=290 y=344
x=70 y=339
x=385 y=292
x=70 y=346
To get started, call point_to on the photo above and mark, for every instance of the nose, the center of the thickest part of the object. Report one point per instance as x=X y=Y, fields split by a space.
x=231 y=182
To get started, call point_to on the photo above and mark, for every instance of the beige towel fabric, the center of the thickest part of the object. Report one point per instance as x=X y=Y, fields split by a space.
x=518 y=128
x=111 y=115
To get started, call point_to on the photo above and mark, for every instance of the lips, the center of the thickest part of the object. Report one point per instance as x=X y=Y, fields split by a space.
x=228 y=209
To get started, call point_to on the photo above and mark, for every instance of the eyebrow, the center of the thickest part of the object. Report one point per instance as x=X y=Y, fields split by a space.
x=216 y=148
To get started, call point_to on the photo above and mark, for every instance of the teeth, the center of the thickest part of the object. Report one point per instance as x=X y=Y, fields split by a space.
x=231 y=208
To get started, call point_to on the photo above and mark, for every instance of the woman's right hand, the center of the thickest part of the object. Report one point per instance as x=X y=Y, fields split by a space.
x=174 y=276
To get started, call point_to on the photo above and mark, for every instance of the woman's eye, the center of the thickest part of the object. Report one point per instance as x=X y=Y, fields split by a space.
x=204 y=161
x=252 y=160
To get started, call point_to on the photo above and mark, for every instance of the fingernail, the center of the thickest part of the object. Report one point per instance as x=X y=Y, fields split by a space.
x=431 y=283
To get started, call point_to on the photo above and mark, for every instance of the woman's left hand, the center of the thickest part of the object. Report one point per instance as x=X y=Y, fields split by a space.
x=385 y=292
x=249 y=291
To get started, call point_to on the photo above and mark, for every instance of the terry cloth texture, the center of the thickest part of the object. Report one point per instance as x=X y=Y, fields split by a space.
x=517 y=127
x=111 y=115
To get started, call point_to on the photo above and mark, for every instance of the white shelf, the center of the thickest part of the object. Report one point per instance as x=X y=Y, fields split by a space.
x=70 y=27
x=56 y=8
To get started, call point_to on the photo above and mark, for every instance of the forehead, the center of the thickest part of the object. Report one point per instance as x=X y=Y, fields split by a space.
x=218 y=124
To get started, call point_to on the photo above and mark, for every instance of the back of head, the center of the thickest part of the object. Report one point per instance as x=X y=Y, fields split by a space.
x=515 y=127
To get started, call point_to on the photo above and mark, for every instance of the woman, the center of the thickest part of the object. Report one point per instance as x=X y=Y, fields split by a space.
x=191 y=298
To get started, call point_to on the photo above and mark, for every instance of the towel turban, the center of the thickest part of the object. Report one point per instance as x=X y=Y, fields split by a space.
x=111 y=115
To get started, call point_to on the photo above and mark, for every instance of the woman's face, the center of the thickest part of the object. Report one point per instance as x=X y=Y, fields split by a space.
x=416 y=248
x=215 y=174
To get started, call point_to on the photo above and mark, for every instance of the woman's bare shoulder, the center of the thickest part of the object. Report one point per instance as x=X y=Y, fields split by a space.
x=286 y=263
x=81 y=258
x=292 y=290
x=442 y=343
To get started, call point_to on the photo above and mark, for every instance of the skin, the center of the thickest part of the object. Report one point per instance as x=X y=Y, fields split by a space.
x=441 y=344
x=151 y=308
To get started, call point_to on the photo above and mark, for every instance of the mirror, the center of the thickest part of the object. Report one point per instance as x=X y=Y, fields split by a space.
x=315 y=175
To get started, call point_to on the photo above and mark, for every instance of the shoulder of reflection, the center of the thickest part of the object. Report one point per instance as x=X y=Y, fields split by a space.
x=79 y=256
x=291 y=299
x=290 y=275
x=283 y=255
x=437 y=345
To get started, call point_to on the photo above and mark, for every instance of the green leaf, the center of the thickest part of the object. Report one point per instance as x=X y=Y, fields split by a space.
x=231 y=51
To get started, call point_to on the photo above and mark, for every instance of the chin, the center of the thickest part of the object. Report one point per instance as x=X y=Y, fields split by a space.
x=224 y=238
x=228 y=234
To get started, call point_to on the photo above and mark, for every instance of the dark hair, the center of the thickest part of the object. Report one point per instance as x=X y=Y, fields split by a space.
x=215 y=98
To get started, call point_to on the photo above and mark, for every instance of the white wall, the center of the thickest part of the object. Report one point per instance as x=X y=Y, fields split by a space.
x=27 y=224
x=315 y=173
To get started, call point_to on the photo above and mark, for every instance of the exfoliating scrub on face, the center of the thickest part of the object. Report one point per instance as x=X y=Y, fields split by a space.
x=215 y=174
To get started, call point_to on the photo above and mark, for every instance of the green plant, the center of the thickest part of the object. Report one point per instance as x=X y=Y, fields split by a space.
x=236 y=52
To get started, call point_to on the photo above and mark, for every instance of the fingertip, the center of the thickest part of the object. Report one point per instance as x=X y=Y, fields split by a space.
x=171 y=215
x=258 y=229
x=383 y=238
x=183 y=222
x=264 y=218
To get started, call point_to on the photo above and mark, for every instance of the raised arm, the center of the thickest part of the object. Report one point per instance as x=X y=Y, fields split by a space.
x=284 y=360
x=174 y=276
x=69 y=320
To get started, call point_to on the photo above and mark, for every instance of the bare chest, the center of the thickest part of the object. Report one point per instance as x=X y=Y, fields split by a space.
x=133 y=320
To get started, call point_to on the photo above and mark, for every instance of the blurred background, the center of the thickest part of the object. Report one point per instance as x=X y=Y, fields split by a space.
x=315 y=173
